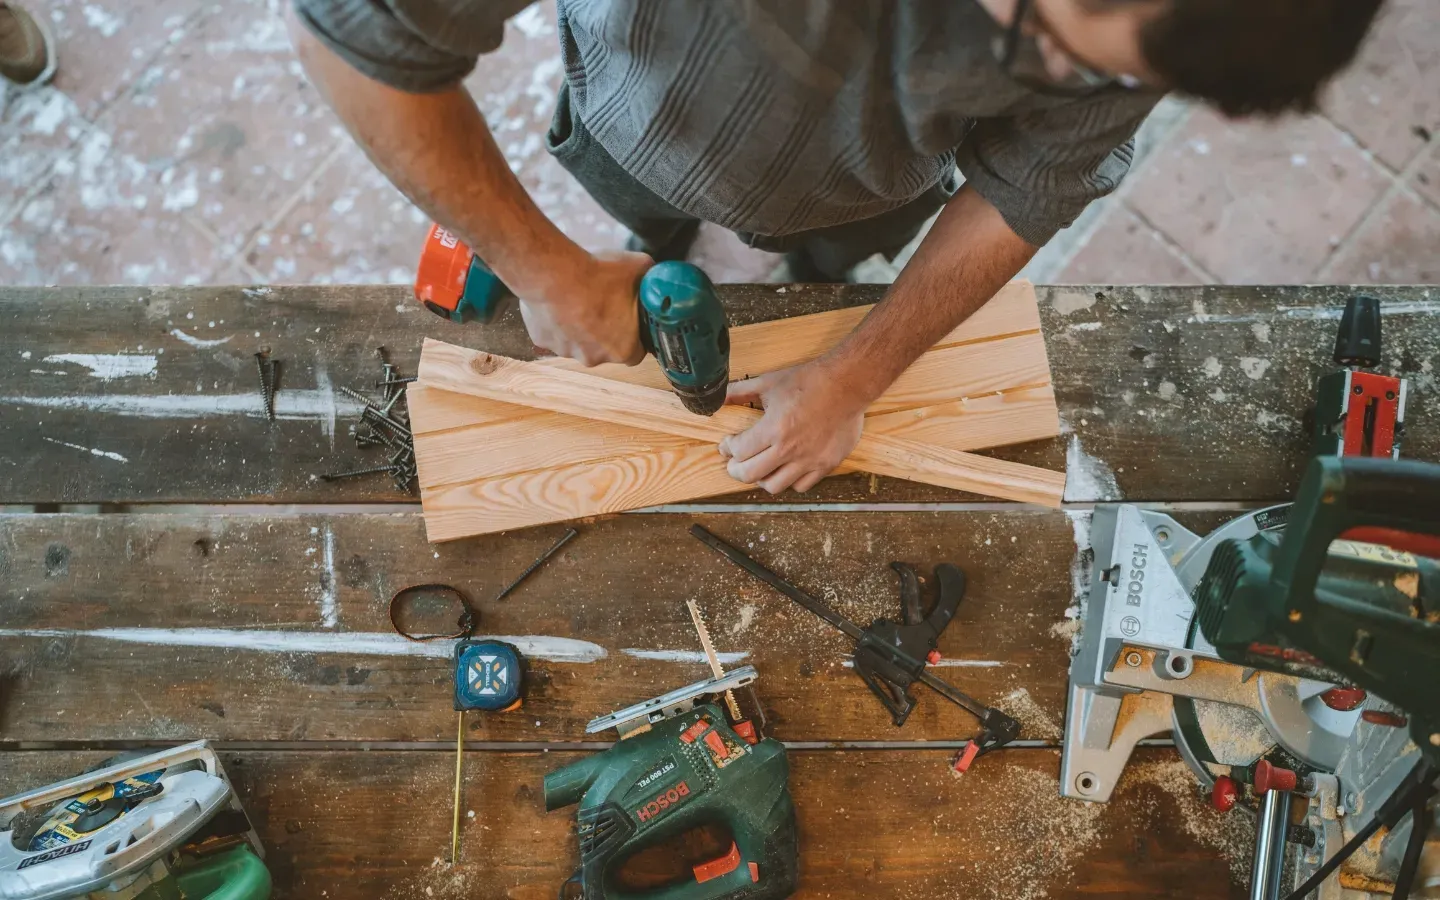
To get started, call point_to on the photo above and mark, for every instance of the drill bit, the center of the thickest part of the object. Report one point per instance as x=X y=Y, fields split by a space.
x=713 y=658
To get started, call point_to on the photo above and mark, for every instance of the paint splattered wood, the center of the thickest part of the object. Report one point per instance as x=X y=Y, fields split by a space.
x=250 y=627
x=361 y=825
x=193 y=432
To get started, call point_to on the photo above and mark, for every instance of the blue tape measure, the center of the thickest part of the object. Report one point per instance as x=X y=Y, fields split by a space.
x=489 y=675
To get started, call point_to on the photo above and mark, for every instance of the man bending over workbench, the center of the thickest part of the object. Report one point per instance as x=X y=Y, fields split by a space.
x=826 y=129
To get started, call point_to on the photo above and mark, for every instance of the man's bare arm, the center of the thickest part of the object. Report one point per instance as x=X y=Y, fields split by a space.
x=813 y=413
x=438 y=150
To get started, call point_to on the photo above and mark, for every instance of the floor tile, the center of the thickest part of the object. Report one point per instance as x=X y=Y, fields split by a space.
x=349 y=226
x=1399 y=245
x=1390 y=98
x=1426 y=179
x=36 y=127
x=224 y=123
x=93 y=223
x=104 y=45
x=1257 y=202
x=1124 y=250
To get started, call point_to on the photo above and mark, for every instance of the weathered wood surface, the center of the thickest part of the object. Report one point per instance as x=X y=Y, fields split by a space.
x=274 y=627
x=366 y=825
x=1133 y=373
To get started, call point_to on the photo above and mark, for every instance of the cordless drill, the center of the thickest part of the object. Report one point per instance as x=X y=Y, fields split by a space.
x=682 y=323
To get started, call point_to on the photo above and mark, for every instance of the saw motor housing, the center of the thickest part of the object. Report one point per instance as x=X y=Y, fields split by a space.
x=1340 y=598
x=683 y=773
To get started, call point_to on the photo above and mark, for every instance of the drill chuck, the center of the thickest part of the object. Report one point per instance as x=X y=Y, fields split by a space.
x=683 y=324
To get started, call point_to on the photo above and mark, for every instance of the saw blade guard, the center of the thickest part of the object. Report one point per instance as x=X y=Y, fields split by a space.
x=77 y=851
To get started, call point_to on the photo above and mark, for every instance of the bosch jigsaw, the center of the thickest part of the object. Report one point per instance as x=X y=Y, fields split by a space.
x=680 y=766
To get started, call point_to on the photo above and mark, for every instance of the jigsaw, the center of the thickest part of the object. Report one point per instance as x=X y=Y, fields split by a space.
x=679 y=766
x=162 y=826
x=1309 y=664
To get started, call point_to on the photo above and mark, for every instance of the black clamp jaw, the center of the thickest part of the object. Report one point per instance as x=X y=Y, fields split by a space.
x=891 y=656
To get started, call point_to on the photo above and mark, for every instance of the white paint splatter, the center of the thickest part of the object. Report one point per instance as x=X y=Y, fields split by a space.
x=747 y=617
x=1085 y=326
x=531 y=22
x=695 y=656
x=1167 y=390
x=1068 y=302
x=1087 y=479
x=289 y=404
x=102 y=20
x=109 y=366
x=92 y=451
x=329 y=592
x=200 y=343
x=1198 y=308
x=1219 y=396
x=1253 y=367
x=1212 y=367
x=553 y=649
x=1261 y=330
x=827 y=545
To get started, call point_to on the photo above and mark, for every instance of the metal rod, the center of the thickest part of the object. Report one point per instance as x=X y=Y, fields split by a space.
x=1269 y=856
x=565 y=539
x=816 y=606
x=954 y=695
x=459 y=758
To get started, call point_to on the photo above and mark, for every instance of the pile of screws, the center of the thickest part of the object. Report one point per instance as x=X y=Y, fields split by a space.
x=384 y=423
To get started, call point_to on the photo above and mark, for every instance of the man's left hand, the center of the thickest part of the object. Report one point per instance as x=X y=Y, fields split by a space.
x=812 y=421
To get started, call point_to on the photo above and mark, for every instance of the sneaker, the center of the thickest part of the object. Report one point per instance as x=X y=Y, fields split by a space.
x=27 y=52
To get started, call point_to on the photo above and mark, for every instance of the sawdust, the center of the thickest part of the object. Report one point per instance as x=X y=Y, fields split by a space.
x=441 y=881
x=1035 y=838
x=1035 y=723
x=1232 y=834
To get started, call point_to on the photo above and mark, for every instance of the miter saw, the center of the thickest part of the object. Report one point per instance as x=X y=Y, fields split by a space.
x=162 y=826
x=1287 y=705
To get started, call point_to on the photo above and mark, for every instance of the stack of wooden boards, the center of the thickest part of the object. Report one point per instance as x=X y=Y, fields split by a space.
x=504 y=444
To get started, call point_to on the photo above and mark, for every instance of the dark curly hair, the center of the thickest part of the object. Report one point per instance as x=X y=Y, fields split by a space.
x=1255 y=56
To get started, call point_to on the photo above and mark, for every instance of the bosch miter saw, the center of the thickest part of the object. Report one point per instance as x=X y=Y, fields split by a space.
x=1293 y=652
x=163 y=826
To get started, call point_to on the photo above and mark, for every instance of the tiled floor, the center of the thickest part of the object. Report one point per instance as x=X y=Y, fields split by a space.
x=181 y=143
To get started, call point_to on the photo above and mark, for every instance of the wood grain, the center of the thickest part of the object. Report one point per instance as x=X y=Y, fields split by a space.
x=355 y=825
x=579 y=394
x=107 y=619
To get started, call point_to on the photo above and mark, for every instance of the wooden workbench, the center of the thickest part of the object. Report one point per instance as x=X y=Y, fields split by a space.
x=209 y=585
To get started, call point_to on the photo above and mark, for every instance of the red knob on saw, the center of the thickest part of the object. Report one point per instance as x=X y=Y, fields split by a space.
x=1273 y=778
x=933 y=657
x=1343 y=699
x=1224 y=794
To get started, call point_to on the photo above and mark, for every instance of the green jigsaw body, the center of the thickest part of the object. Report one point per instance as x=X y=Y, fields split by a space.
x=686 y=772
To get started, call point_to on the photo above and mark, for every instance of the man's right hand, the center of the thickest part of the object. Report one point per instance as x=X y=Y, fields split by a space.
x=593 y=314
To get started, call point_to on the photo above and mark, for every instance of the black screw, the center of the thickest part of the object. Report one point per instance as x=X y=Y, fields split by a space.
x=355 y=473
x=262 y=365
x=411 y=380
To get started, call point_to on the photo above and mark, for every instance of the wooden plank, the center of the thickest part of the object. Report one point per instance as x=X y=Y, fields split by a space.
x=261 y=627
x=580 y=394
x=192 y=432
x=941 y=375
x=362 y=825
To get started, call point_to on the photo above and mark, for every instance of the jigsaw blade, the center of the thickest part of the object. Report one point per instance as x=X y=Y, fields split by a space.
x=712 y=657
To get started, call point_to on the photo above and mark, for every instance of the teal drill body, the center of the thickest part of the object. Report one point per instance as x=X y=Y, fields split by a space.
x=1341 y=597
x=682 y=322
x=686 y=772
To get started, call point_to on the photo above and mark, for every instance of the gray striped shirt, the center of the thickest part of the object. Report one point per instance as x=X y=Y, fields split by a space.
x=780 y=116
